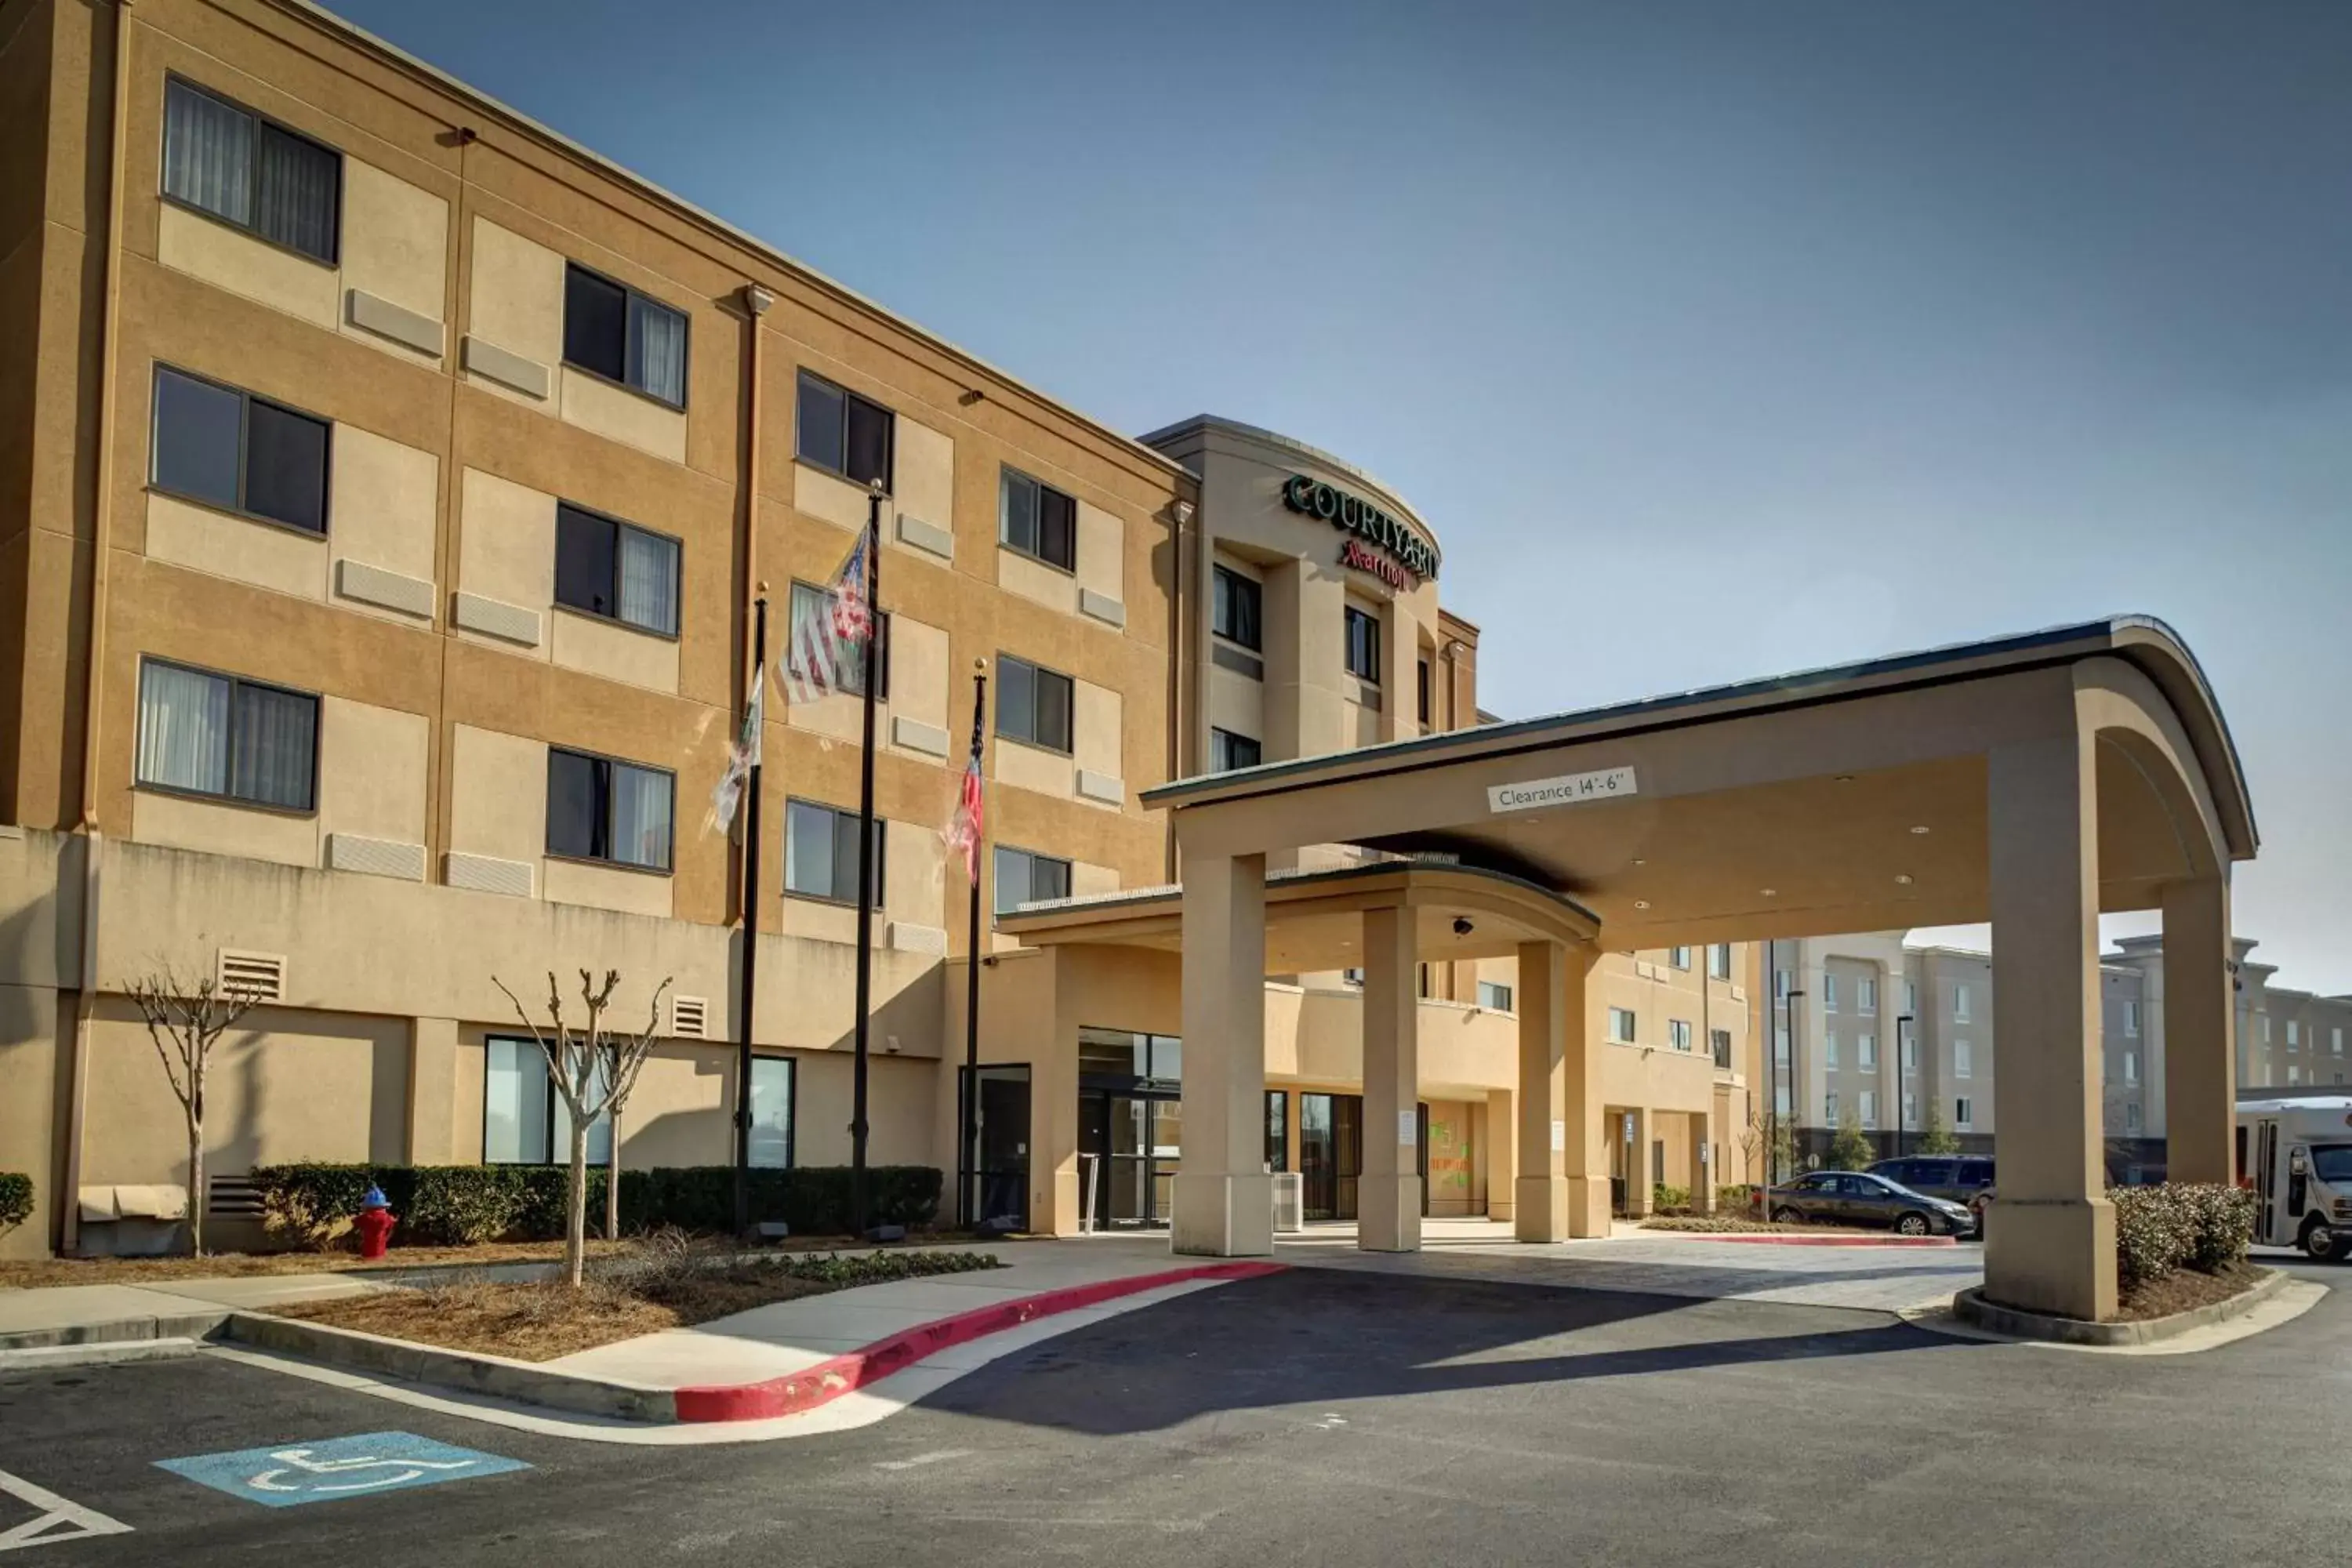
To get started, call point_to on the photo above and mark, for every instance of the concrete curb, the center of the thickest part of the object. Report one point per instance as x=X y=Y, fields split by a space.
x=118 y=1331
x=104 y=1352
x=468 y=1371
x=1970 y=1306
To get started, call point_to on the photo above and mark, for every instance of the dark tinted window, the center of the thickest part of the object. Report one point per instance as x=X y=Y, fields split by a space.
x=575 y=805
x=1363 y=645
x=870 y=427
x=586 y=559
x=1228 y=751
x=1037 y=520
x=1023 y=878
x=240 y=168
x=295 y=191
x=231 y=449
x=286 y=466
x=821 y=852
x=843 y=433
x=1237 y=611
x=1421 y=698
x=595 y=323
x=198 y=436
x=1033 y=705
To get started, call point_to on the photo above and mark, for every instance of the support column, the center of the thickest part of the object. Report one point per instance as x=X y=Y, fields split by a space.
x=1388 y=1196
x=1502 y=1153
x=1637 y=1135
x=1224 y=1199
x=1702 y=1164
x=1539 y=1206
x=2199 y=1029
x=2050 y=1237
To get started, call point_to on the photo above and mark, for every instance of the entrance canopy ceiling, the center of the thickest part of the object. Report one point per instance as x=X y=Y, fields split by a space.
x=1845 y=799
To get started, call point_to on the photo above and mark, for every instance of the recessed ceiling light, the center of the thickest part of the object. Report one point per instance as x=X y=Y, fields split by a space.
x=1845 y=778
x=1641 y=903
x=1772 y=893
x=1921 y=829
x=1904 y=878
x=1639 y=861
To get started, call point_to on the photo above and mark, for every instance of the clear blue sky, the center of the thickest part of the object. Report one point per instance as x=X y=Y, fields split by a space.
x=1714 y=340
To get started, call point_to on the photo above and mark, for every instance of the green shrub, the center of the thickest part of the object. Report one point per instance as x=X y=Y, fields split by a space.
x=1664 y=1199
x=463 y=1206
x=2173 y=1226
x=1738 y=1198
x=16 y=1199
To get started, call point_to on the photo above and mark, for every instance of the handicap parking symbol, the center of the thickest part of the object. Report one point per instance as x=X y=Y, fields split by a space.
x=328 y=1469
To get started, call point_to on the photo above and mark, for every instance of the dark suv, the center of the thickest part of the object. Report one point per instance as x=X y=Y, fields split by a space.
x=1961 y=1178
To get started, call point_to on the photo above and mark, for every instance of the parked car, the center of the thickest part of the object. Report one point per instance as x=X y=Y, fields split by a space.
x=1958 y=1178
x=1855 y=1198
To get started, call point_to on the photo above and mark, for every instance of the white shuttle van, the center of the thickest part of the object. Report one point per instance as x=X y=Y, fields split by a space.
x=2296 y=1156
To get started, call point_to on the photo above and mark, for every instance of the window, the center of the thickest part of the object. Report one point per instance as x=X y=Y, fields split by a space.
x=2131 y=1018
x=1781 y=1099
x=2336 y=1042
x=1278 y=1129
x=1781 y=985
x=2294 y=1074
x=844 y=434
x=814 y=604
x=1961 y=1056
x=239 y=452
x=1032 y=704
x=1237 y=610
x=1865 y=1051
x=2293 y=1034
x=1025 y=878
x=1910 y=1056
x=821 y=853
x=1961 y=1003
x=1719 y=1040
x=1828 y=1049
x=1493 y=997
x=1910 y=998
x=1828 y=992
x=1228 y=751
x=1780 y=1046
x=1421 y=690
x=250 y=173
x=1352 y=977
x=1421 y=981
x=1869 y=1109
x=524 y=1121
x=218 y=735
x=1621 y=1025
x=616 y=332
x=1678 y=1033
x=1363 y=645
x=1679 y=957
x=2131 y=1067
x=1910 y=1108
x=1037 y=520
x=616 y=569
x=2266 y=1028
x=771 y=1112
x=602 y=809
x=1865 y=996
x=1830 y=1106
x=1718 y=961
x=2131 y=1118
x=1963 y=1115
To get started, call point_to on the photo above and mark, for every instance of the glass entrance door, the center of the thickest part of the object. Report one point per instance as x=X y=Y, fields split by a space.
x=1136 y=1140
x=1000 y=1153
x=1330 y=1154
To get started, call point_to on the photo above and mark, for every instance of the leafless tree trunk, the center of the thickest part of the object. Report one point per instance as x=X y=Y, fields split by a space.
x=612 y=1180
x=185 y=1019
x=573 y=1062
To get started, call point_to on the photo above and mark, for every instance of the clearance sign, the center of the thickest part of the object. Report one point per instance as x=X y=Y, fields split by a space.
x=1380 y=544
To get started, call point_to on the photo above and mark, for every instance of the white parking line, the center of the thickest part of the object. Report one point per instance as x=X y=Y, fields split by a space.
x=59 y=1519
x=932 y=1458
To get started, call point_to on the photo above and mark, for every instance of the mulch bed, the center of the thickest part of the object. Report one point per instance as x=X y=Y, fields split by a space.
x=640 y=1291
x=1731 y=1225
x=2184 y=1290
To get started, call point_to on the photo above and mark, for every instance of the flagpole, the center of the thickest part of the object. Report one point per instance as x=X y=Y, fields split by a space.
x=750 y=931
x=857 y=1193
x=968 y=1102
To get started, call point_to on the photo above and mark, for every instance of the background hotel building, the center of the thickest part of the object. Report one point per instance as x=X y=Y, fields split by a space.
x=385 y=484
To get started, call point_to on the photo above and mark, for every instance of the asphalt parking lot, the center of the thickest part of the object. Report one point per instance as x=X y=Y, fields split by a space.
x=1312 y=1416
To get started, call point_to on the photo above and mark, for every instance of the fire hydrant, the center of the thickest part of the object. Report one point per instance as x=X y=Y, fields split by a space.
x=373 y=1221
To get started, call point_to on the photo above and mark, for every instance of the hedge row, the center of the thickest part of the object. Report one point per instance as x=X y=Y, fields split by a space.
x=463 y=1206
x=2173 y=1226
x=16 y=1199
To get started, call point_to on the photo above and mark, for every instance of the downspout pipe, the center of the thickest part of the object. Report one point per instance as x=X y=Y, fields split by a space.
x=93 y=841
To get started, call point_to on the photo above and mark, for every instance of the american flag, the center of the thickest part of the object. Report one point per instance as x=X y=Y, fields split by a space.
x=964 y=828
x=741 y=758
x=829 y=633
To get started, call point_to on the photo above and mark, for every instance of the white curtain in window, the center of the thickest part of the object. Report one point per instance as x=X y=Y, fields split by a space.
x=207 y=154
x=514 y=1104
x=183 y=728
x=657 y=350
x=640 y=815
x=294 y=196
x=277 y=735
x=649 y=581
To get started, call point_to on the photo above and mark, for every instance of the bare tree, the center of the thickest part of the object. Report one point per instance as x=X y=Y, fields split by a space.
x=594 y=1069
x=185 y=1019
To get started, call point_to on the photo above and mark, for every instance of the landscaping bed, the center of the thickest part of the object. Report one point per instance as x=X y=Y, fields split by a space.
x=2184 y=1291
x=1734 y=1224
x=638 y=1288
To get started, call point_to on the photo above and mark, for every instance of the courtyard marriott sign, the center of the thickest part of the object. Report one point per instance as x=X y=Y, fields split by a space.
x=1571 y=789
x=1382 y=545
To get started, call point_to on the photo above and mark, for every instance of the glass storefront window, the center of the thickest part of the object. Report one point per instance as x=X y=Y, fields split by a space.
x=771 y=1112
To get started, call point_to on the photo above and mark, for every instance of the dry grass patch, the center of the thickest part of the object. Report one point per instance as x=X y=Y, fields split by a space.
x=664 y=1282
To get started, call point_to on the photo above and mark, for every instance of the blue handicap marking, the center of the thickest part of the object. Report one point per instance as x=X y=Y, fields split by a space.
x=330 y=1469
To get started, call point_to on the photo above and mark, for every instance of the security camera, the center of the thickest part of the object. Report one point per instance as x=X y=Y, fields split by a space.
x=1462 y=926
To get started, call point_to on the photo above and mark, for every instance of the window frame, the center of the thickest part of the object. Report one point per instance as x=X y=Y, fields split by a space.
x=792 y=1118
x=1005 y=474
x=223 y=796
x=607 y=760
x=1679 y=1035
x=1221 y=744
x=840 y=470
x=620 y=526
x=881 y=878
x=1497 y=997
x=261 y=121
x=881 y=642
x=1632 y=1025
x=1714 y=950
x=1423 y=708
x=246 y=400
x=1678 y=958
x=1225 y=590
x=995 y=880
x=1069 y=747
x=1351 y=616
x=630 y=295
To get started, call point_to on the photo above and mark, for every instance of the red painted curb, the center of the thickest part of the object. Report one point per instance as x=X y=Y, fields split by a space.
x=1758 y=1239
x=829 y=1380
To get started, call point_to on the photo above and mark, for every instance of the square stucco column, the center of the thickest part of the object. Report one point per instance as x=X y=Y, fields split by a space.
x=2050 y=1239
x=1702 y=1175
x=2200 y=1018
x=1502 y=1155
x=1562 y=1189
x=1388 y=1196
x=1224 y=1199
x=1636 y=1134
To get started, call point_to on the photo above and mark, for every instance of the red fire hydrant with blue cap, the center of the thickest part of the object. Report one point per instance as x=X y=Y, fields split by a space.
x=375 y=1221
